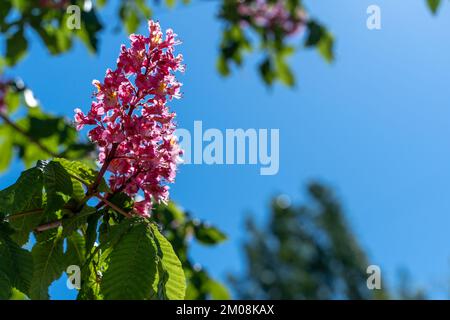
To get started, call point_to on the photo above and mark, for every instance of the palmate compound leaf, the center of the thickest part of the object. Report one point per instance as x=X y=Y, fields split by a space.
x=49 y=264
x=16 y=263
x=171 y=274
x=132 y=269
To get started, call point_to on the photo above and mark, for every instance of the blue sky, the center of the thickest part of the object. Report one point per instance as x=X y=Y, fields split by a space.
x=375 y=126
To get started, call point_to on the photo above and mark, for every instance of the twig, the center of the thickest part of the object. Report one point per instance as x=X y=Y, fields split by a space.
x=24 y=214
x=113 y=206
x=48 y=226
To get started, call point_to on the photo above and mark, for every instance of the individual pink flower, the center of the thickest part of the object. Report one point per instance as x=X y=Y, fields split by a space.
x=133 y=125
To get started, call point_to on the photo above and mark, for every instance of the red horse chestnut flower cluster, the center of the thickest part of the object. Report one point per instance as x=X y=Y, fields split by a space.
x=134 y=128
x=272 y=15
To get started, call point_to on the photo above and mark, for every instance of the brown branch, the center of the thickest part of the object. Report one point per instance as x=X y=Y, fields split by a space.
x=48 y=226
x=11 y=123
x=113 y=206
x=24 y=214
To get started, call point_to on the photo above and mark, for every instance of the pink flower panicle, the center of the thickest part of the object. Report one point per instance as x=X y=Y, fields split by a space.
x=133 y=126
x=271 y=15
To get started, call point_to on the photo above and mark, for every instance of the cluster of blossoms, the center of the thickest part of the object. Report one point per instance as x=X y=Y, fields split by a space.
x=134 y=128
x=271 y=15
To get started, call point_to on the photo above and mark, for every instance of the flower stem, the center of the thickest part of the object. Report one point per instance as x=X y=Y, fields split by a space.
x=93 y=188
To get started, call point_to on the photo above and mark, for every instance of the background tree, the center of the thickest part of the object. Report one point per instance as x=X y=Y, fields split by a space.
x=308 y=252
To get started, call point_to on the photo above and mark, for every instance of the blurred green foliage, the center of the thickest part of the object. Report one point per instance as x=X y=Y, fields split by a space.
x=50 y=23
x=434 y=5
x=244 y=34
x=32 y=135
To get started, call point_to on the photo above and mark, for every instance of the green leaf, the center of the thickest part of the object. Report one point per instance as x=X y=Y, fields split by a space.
x=5 y=286
x=52 y=132
x=5 y=8
x=24 y=198
x=170 y=3
x=91 y=231
x=48 y=260
x=172 y=275
x=74 y=222
x=16 y=47
x=208 y=235
x=132 y=266
x=89 y=30
x=217 y=290
x=315 y=33
x=80 y=170
x=434 y=5
x=58 y=185
x=326 y=46
x=267 y=71
x=91 y=278
x=78 y=190
x=6 y=143
x=22 y=5
x=76 y=250
x=16 y=263
x=100 y=3
x=284 y=72
x=17 y=295
x=144 y=9
x=222 y=66
x=131 y=21
x=319 y=37
x=19 y=196
x=12 y=101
